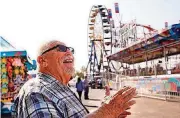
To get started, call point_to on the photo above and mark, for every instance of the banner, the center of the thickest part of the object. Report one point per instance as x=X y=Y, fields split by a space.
x=116 y=7
x=109 y=13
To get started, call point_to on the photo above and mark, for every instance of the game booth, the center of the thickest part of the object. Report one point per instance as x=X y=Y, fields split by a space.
x=15 y=68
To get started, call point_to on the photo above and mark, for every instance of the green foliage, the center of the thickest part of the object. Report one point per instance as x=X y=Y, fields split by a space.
x=81 y=72
x=83 y=69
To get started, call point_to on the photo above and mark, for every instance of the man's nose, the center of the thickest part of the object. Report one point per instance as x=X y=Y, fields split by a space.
x=69 y=51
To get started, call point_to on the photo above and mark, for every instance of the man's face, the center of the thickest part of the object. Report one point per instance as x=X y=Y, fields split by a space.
x=59 y=60
x=66 y=61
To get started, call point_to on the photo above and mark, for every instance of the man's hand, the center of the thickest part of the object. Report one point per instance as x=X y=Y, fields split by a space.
x=124 y=114
x=120 y=102
x=118 y=105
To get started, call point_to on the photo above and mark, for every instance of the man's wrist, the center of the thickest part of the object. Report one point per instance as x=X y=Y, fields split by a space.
x=107 y=99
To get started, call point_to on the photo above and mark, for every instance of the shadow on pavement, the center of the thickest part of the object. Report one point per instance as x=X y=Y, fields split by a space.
x=94 y=99
x=90 y=106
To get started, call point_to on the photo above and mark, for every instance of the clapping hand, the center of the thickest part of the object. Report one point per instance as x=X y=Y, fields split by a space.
x=118 y=104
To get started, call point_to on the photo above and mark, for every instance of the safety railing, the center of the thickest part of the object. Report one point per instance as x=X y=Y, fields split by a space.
x=158 y=89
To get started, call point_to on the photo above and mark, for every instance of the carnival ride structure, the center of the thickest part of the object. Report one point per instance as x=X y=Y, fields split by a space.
x=103 y=39
x=131 y=49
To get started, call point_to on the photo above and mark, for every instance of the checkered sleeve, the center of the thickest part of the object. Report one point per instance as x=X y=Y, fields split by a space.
x=39 y=106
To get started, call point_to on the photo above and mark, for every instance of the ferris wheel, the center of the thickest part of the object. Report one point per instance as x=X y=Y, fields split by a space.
x=106 y=37
x=99 y=40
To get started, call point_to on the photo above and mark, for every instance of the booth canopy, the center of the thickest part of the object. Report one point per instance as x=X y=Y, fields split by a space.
x=8 y=50
x=152 y=47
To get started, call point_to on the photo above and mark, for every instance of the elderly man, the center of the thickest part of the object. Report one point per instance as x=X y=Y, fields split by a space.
x=48 y=95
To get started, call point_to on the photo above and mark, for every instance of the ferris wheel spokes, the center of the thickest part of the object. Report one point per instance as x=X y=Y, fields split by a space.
x=99 y=37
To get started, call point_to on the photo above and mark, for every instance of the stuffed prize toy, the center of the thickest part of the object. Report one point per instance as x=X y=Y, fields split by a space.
x=16 y=71
x=4 y=90
x=8 y=63
x=10 y=59
x=18 y=79
x=3 y=65
x=4 y=85
x=22 y=71
x=11 y=86
x=9 y=68
x=3 y=70
x=3 y=76
x=3 y=60
x=10 y=72
x=17 y=62
x=4 y=81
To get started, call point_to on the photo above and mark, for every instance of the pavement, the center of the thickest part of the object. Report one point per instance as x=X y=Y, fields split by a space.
x=94 y=99
x=144 y=107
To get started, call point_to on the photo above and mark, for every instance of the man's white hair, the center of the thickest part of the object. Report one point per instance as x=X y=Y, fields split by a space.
x=47 y=45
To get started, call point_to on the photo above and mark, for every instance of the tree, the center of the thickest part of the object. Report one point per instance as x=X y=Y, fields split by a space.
x=81 y=72
x=83 y=69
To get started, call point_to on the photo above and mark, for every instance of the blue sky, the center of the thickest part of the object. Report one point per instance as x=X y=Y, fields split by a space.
x=27 y=24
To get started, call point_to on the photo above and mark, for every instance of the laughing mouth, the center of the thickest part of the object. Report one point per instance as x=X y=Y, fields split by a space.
x=68 y=60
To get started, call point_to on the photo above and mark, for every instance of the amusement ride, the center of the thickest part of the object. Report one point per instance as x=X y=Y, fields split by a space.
x=133 y=53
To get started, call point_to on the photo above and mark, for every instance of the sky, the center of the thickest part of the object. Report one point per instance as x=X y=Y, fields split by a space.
x=28 y=23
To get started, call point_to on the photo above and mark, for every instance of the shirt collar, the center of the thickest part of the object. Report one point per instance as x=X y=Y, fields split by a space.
x=48 y=78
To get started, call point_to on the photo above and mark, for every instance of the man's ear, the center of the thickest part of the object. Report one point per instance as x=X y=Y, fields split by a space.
x=39 y=59
x=42 y=61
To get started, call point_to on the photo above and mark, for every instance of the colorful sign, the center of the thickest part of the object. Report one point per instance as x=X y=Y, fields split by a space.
x=116 y=7
x=174 y=80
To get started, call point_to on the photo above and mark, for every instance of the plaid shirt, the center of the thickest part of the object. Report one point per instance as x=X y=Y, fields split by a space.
x=46 y=97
